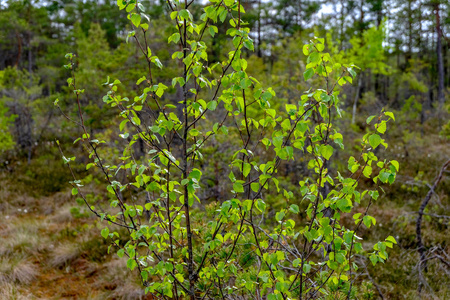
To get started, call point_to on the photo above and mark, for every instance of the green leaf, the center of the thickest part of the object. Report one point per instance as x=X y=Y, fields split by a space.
x=391 y=239
x=374 y=259
x=161 y=86
x=121 y=253
x=255 y=186
x=131 y=264
x=326 y=151
x=130 y=7
x=314 y=57
x=271 y=112
x=278 y=141
x=308 y=74
x=168 y=266
x=374 y=194
x=395 y=164
x=74 y=191
x=122 y=4
x=174 y=38
x=179 y=277
x=157 y=62
x=245 y=83
x=369 y=119
x=246 y=170
x=237 y=187
x=344 y=205
x=390 y=115
x=212 y=105
x=196 y=174
x=261 y=205
x=279 y=216
x=352 y=72
x=223 y=15
x=320 y=47
x=136 y=19
x=384 y=176
x=105 y=232
x=368 y=221
x=294 y=208
x=249 y=45
x=391 y=178
x=306 y=49
x=213 y=30
x=291 y=109
x=356 y=216
x=374 y=140
x=194 y=132
x=340 y=258
x=367 y=171
x=272 y=297
x=381 y=128
x=266 y=96
x=140 y=80
x=286 y=124
x=306 y=268
x=185 y=14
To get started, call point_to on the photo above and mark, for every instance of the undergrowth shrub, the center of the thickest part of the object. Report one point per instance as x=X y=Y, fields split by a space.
x=202 y=185
x=43 y=176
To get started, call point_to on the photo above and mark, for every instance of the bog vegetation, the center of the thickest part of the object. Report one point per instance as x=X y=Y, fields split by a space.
x=224 y=149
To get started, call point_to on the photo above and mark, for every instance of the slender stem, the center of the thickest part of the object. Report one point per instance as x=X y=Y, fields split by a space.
x=185 y=169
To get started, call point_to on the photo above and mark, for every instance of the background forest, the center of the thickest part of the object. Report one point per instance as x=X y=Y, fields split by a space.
x=50 y=246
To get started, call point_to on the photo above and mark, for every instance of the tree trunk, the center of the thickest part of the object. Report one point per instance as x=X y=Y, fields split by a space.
x=342 y=25
x=30 y=59
x=419 y=36
x=19 y=49
x=440 y=62
x=410 y=37
x=259 y=53
x=361 y=19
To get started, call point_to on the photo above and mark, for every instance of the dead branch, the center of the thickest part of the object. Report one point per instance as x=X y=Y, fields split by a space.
x=421 y=247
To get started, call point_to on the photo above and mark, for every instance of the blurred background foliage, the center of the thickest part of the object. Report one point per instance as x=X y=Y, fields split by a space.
x=402 y=49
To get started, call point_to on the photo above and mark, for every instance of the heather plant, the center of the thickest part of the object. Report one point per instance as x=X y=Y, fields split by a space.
x=237 y=245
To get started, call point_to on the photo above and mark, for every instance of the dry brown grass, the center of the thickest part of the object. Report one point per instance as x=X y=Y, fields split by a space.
x=9 y=291
x=128 y=292
x=14 y=269
x=23 y=236
x=63 y=255
x=62 y=215
x=115 y=277
x=48 y=253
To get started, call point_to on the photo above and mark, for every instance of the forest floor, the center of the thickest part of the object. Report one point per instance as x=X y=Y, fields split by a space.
x=51 y=247
x=49 y=251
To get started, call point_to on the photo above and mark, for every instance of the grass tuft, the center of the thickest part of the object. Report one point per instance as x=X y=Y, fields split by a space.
x=17 y=270
x=63 y=255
